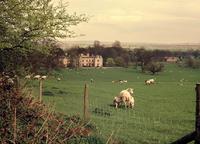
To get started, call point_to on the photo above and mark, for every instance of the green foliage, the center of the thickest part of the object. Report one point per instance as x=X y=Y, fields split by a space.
x=110 y=62
x=34 y=122
x=119 y=61
x=23 y=60
x=192 y=62
x=154 y=67
x=25 y=23
x=28 y=29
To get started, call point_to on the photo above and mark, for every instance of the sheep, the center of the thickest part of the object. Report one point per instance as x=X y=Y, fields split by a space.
x=43 y=77
x=119 y=81
x=28 y=77
x=123 y=81
x=125 y=95
x=150 y=81
x=117 y=101
x=58 y=79
x=37 y=77
x=131 y=102
x=114 y=81
x=126 y=98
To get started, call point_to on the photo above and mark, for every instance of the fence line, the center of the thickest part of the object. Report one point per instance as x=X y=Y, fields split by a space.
x=197 y=125
x=196 y=134
x=86 y=114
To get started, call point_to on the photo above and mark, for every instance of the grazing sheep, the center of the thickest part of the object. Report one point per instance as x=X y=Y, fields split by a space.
x=117 y=101
x=131 y=102
x=28 y=77
x=43 y=77
x=123 y=81
x=37 y=77
x=119 y=81
x=114 y=81
x=150 y=81
x=125 y=97
x=58 y=79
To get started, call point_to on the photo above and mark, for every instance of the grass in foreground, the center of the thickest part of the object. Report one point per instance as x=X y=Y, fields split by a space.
x=163 y=112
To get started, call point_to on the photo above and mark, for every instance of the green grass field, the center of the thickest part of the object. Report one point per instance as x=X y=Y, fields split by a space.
x=163 y=112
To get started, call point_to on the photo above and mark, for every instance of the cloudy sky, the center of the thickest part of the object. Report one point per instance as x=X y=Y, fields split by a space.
x=160 y=21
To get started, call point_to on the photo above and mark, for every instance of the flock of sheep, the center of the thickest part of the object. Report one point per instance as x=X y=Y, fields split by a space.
x=39 y=77
x=126 y=96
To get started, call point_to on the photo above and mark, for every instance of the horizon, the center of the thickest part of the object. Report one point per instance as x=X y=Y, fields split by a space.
x=132 y=42
x=132 y=45
x=153 y=21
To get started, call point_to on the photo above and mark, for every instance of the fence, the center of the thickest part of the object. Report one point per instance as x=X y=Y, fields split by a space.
x=196 y=134
x=103 y=113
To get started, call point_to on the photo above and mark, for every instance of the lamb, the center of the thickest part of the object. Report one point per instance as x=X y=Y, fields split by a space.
x=117 y=101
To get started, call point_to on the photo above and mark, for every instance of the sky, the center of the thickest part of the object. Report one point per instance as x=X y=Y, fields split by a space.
x=151 y=21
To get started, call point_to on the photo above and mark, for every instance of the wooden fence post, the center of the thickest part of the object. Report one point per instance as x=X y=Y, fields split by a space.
x=15 y=126
x=40 y=95
x=86 y=114
x=197 y=124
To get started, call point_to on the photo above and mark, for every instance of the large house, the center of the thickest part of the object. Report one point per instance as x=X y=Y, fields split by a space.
x=171 y=59
x=84 y=60
x=87 y=60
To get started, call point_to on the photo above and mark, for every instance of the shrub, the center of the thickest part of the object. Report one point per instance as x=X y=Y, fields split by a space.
x=154 y=67
x=23 y=119
x=110 y=62
x=119 y=61
x=192 y=63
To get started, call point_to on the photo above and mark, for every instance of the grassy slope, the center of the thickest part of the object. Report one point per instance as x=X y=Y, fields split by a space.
x=162 y=113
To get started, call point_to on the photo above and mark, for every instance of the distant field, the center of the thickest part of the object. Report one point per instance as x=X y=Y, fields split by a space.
x=132 y=45
x=163 y=112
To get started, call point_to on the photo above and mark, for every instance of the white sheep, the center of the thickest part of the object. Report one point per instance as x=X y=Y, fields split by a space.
x=37 y=77
x=124 y=81
x=28 y=77
x=119 y=81
x=150 y=81
x=126 y=98
x=131 y=102
x=58 y=79
x=43 y=77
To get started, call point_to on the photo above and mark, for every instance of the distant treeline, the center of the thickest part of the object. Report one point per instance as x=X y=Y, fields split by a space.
x=33 y=60
x=116 y=55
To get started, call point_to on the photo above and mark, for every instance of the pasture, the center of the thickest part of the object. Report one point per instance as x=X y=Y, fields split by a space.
x=163 y=112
